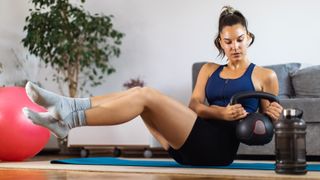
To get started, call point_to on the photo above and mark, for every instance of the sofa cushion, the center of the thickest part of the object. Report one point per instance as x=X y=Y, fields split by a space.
x=310 y=107
x=284 y=72
x=306 y=82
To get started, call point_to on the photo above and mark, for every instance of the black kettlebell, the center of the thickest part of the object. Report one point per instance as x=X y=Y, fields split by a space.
x=255 y=128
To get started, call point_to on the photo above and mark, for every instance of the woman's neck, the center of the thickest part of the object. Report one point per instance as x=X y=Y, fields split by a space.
x=239 y=64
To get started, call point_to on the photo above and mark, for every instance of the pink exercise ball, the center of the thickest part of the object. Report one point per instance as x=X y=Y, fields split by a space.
x=20 y=139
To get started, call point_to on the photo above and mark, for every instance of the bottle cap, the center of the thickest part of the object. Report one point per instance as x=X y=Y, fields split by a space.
x=289 y=112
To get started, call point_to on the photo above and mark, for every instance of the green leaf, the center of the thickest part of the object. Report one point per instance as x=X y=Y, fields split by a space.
x=94 y=72
x=111 y=70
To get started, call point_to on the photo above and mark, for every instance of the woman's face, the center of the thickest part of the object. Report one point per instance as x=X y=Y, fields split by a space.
x=235 y=40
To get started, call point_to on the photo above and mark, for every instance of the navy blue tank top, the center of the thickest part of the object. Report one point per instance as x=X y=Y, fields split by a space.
x=219 y=90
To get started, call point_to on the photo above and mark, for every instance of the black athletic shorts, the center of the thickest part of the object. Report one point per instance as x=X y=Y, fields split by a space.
x=210 y=143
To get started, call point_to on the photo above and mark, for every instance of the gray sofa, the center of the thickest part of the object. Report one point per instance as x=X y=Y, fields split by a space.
x=299 y=88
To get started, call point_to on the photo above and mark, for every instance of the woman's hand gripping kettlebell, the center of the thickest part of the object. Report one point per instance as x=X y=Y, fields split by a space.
x=274 y=111
x=233 y=112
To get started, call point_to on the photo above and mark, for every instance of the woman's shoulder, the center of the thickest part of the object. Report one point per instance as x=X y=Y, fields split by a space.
x=211 y=66
x=264 y=72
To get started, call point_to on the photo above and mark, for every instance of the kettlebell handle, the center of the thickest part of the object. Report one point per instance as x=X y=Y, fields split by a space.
x=253 y=94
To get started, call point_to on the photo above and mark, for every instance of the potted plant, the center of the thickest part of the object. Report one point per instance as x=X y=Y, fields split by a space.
x=75 y=43
x=134 y=82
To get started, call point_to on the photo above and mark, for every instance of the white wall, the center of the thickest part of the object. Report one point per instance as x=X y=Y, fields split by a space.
x=163 y=38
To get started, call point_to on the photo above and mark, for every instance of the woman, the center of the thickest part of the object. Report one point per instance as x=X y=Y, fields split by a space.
x=198 y=135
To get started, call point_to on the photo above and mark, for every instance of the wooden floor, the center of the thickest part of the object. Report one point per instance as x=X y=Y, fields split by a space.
x=74 y=175
x=54 y=174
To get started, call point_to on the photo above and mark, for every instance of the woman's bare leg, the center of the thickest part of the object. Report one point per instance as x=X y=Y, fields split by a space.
x=64 y=113
x=154 y=131
x=167 y=119
x=97 y=100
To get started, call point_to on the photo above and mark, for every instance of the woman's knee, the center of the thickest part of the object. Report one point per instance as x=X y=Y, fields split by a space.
x=149 y=94
x=142 y=94
x=134 y=89
x=148 y=90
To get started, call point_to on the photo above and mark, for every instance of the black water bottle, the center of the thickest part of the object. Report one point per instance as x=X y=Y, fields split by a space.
x=290 y=143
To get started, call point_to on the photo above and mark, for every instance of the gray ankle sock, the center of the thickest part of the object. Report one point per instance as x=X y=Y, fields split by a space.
x=60 y=128
x=59 y=106
x=75 y=119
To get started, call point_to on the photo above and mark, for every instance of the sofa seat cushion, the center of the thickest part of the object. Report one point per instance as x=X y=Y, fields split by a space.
x=310 y=107
x=306 y=82
x=284 y=71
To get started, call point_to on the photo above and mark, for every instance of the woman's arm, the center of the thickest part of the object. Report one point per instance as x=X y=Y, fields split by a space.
x=231 y=112
x=270 y=84
x=198 y=96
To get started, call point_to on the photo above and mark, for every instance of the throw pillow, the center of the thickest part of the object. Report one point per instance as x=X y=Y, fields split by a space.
x=306 y=82
x=284 y=72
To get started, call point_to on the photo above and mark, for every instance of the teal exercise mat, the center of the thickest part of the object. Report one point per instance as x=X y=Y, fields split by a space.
x=160 y=163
